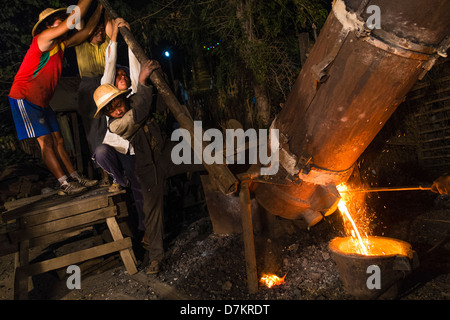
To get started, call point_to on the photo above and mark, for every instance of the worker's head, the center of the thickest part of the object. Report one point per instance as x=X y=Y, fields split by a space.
x=49 y=18
x=98 y=35
x=122 y=81
x=111 y=101
x=117 y=107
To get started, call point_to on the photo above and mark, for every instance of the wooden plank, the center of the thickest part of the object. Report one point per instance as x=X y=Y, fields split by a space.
x=65 y=212
x=59 y=236
x=122 y=210
x=435 y=148
x=128 y=258
x=249 y=242
x=434 y=130
x=436 y=139
x=62 y=224
x=427 y=113
x=424 y=84
x=10 y=205
x=74 y=258
x=434 y=165
x=441 y=156
x=426 y=94
x=445 y=98
x=34 y=206
x=59 y=203
x=21 y=282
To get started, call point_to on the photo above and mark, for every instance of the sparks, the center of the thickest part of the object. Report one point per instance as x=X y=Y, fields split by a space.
x=270 y=280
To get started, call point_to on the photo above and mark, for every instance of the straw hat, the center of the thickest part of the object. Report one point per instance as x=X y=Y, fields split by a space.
x=44 y=15
x=104 y=95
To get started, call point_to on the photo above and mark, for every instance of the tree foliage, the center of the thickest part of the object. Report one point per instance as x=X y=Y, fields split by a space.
x=271 y=58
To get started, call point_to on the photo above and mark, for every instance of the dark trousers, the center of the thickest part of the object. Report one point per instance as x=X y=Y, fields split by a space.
x=122 y=168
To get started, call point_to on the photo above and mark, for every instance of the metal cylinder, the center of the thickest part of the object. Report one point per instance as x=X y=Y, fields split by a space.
x=351 y=83
x=363 y=276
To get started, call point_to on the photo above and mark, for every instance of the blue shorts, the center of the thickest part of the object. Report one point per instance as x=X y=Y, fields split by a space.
x=31 y=120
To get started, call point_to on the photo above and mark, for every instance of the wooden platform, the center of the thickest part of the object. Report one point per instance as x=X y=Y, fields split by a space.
x=44 y=220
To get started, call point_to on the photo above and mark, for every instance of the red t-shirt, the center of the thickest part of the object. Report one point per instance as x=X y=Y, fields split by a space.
x=38 y=74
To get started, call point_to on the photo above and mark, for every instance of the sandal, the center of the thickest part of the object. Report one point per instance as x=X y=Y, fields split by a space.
x=115 y=187
x=152 y=268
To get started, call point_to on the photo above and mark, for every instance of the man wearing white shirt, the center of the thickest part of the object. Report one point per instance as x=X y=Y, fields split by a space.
x=116 y=155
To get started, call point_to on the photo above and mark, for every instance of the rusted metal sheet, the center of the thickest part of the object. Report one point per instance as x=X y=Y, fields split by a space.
x=306 y=200
x=225 y=210
x=351 y=83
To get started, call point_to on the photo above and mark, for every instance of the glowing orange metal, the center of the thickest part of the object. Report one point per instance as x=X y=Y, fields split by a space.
x=270 y=280
x=362 y=247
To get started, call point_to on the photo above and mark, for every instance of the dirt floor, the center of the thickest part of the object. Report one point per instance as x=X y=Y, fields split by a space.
x=202 y=265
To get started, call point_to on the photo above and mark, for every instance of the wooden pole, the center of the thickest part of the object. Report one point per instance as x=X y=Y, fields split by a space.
x=220 y=174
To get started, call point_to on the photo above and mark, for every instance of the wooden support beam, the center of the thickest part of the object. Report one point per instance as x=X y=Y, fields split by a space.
x=21 y=281
x=222 y=176
x=127 y=255
x=249 y=242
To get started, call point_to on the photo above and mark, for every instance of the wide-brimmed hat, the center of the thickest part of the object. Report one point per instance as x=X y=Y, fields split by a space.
x=44 y=15
x=104 y=95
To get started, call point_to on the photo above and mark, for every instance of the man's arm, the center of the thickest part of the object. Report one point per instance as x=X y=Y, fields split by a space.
x=109 y=25
x=141 y=103
x=84 y=33
x=134 y=65
x=110 y=63
x=135 y=69
x=111 y=53
x=46 y=38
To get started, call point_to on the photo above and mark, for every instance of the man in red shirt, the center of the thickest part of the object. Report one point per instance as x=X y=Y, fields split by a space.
x=35 y=84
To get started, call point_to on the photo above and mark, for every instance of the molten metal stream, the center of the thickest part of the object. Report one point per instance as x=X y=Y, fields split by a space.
x=344 y=211
x=370 y=245
x=343 y=208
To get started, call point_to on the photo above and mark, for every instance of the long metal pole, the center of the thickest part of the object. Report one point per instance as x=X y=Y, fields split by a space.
x=387 y=189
